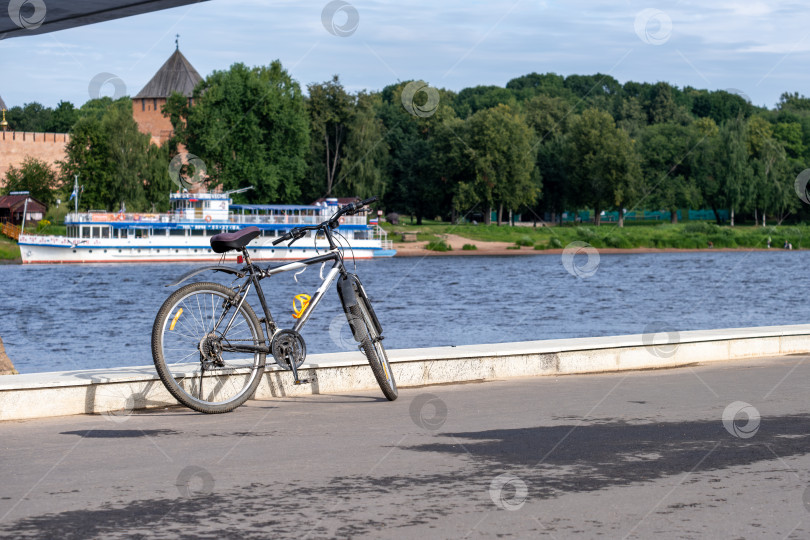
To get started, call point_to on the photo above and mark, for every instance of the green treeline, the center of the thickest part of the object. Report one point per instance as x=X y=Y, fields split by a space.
x=542 y=145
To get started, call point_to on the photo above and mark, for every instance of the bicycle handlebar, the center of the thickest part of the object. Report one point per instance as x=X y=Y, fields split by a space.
x=349 y=209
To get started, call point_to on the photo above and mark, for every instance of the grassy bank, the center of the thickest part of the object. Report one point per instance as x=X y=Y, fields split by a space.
x=693 y=235
x=8 y=249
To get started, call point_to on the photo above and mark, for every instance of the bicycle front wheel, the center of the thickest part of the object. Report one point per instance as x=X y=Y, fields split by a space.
x=372 y=346
x=193 y=339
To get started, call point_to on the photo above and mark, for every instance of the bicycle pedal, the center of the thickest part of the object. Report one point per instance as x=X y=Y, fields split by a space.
x=301 y=381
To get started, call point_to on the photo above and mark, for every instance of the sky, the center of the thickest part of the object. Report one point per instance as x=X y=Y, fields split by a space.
x=757 y=49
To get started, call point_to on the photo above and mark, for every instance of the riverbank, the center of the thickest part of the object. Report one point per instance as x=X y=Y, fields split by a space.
x=468 y=239
x=419 y=249
x=9 y=251
x=437 y=238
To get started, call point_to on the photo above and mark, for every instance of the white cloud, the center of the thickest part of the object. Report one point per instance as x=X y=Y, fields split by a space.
x=732 y=44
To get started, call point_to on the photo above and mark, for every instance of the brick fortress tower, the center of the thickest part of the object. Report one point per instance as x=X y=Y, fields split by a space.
x=175 y=75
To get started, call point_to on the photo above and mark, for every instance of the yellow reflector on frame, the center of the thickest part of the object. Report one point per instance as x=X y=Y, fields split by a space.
x=300 y=303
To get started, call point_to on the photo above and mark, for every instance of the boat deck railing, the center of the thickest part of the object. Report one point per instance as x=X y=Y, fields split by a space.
x=379 y=233
x=246 y=219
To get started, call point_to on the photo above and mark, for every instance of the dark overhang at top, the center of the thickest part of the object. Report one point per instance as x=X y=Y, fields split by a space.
x=30 y=17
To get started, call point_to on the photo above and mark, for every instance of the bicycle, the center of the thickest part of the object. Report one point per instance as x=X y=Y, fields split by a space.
x=204 y=331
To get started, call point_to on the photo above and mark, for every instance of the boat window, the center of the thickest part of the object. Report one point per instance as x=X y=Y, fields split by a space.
x=96 y=232
x=268 y=232
x=177 y=232
x=85 y=232
x=197 y=232
x=105 y=232
x=141 y=233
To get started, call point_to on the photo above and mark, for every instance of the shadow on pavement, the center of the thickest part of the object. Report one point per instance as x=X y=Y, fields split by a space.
x=550 y=460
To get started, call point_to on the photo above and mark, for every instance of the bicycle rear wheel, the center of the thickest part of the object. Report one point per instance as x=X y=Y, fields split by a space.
x=371 y=344
x=192 y=358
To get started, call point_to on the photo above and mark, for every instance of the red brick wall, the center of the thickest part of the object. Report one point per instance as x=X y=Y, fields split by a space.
x=15 y=146
x=151 y=121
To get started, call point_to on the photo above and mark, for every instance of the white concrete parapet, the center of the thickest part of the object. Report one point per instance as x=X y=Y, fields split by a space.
x=117 y=392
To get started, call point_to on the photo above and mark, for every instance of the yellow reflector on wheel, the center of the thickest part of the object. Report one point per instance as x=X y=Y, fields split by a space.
x=174 y=321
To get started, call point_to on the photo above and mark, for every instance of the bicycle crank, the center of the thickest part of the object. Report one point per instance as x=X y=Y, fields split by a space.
x=289 y=349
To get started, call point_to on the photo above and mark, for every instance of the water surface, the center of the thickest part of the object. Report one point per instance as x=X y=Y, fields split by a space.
x=96 y=316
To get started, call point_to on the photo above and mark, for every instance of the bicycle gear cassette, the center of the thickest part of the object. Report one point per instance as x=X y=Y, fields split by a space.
x=288 y=349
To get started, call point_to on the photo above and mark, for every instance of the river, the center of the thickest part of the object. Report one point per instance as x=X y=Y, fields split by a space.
x=96 y=316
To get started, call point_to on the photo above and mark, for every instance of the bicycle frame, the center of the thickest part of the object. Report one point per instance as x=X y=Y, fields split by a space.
x=255 y=274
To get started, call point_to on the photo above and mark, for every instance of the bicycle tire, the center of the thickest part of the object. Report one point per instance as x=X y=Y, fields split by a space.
x=372 y=347
x=233 y=380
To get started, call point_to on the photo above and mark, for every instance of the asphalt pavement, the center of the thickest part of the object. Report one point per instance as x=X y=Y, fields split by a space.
x=701 y=451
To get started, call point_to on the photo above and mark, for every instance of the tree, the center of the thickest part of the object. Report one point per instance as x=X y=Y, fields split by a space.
x=331 y=109
x=772 y=191
x=63 y=118
x=553 y=169
x=665 y=150
x=720 y=106
x=547 y=116
x=34 y=176
x=790 y=135
x=367 y=152
x=498 y=145
x=630 y=116
x=793 y=101
x=549 y=84
x=250 y=127
x=603 y=164
x=114 y=160
x=415 y=185
x=126 y=158
x=720 y=165
x=157 y=182
x=704 y=164
x=733 y=165
x=476 y=98
x=30 y=117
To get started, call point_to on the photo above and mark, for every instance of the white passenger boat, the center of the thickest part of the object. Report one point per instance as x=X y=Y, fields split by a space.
x=183 y=234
